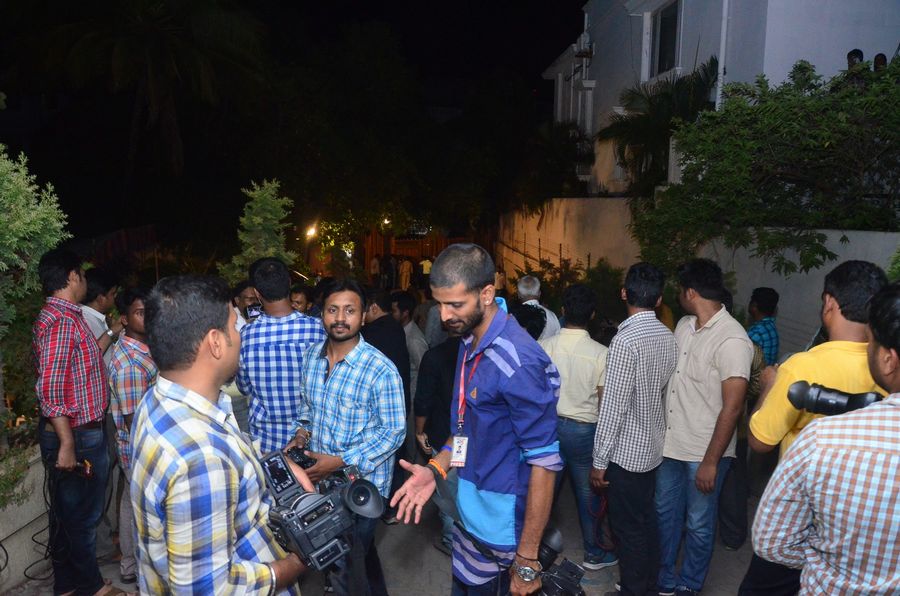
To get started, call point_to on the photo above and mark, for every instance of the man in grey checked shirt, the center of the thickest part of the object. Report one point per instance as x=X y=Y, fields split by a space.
x=272 y=350
x=631 y=428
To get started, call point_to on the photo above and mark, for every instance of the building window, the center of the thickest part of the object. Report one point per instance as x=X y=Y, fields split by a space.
x=665 y=39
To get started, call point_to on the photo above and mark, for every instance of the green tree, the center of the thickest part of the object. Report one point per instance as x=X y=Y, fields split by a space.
x=262 y=230
x=31 y=223
x=776 y=164
x=652 y=112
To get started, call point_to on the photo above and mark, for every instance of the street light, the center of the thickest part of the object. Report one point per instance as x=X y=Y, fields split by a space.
x=386 y=221
x=310 y=231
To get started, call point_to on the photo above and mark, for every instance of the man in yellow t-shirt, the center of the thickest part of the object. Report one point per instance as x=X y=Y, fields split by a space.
x=839 y=364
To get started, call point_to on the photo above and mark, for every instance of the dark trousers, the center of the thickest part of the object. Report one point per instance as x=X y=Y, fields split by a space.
x=765 y=578
x=499 y=586
x=632 y=515
x=360 y=573
x=76 y=504
x=733 y=501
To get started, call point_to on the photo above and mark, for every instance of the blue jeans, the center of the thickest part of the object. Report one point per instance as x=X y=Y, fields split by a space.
x=76 y=504
x=499 y=586
x=359 y=573
x=680 y=505
x=576 y=446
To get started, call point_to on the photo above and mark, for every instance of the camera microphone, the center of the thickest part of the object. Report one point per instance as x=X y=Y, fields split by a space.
x=818 y=399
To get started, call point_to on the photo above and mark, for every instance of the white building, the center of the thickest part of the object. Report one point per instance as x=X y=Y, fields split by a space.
x=629 y=41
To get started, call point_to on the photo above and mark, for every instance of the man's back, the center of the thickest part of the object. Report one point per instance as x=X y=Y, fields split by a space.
x=833 y=506
x=581 y=363
x=387 y=336
x=840 y=365
x=270 y=373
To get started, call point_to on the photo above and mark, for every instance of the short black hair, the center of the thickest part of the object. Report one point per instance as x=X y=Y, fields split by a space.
x=179 y=312
x=580 y=303
x=405 y=301
x=852 y=284
x=333 y=286
x=54 y=269
x=884 y=316
x=704 y=277
x=855 y=53
x=381 y=298
x=305 y=290
x=99 y=281
x=766 y=300
x=271 y=278
x=240 y=287
x=126 y=298
x=468 y=264
x=644 y=284
x=532 y=318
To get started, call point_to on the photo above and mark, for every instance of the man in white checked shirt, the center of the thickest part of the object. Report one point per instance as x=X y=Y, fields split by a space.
x=631 y=428
x=832 y=507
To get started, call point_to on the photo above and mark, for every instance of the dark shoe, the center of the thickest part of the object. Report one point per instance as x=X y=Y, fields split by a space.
x=595 y=562
x=683 y=591
x=129 y=579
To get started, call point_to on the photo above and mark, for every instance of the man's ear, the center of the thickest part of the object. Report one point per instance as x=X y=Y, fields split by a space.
x=658 y=303
x=487 y=294
x=214 y=342
x=258 y=297
x=830 y=305
x=624 y=295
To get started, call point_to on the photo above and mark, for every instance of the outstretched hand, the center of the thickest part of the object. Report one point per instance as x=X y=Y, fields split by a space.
x=410 y=498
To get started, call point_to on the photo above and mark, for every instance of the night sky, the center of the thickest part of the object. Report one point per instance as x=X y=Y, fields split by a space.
x=76 y=137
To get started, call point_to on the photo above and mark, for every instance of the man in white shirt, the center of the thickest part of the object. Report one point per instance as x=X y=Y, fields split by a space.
x=529 y=290
x=402 y=306
x=581 y=362
x=99 y=300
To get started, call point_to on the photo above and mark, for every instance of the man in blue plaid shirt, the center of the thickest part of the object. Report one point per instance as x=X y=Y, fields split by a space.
x=762 y=309
x=272 y=350
x=352 y=413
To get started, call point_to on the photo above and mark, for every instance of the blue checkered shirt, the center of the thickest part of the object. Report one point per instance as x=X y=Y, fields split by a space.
x=270 y=373
x=764 y=334
x=200 y=501
x=357 y=412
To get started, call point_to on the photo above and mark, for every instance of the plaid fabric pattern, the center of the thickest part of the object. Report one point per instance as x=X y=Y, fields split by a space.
x=631 y=428
x=270 y=373
x=764 y=334
x=200 y=500
x=356 y=412
x=131 y=373
x=71 y=379
x=833 y=505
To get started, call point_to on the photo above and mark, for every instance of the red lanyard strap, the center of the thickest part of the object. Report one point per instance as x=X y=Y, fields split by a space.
x=461 y=411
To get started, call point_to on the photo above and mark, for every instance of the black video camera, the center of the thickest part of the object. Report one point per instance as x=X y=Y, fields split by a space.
x=558 y=580
x=316 y=526
x=818 y=399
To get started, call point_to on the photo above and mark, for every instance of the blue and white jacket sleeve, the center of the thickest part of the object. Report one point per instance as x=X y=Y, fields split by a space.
x=532 y=393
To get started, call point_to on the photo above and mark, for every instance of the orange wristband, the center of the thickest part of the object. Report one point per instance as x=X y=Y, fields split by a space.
x=433 y=463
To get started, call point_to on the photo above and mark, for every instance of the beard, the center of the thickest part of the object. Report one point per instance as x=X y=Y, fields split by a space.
x=463 y=327
x=339 y=333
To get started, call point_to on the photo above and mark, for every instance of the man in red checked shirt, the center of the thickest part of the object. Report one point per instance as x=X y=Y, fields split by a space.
x=72 y=394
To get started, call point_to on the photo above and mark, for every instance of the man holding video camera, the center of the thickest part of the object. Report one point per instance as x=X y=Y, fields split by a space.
x=832 y=506
x=200 y=500
x=352 y=413
x=839 y=363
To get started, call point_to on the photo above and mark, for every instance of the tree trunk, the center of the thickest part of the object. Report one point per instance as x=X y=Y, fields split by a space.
x=4 y=442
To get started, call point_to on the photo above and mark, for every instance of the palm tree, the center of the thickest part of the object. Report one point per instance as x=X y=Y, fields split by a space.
x=165 y=53
x=652 y=110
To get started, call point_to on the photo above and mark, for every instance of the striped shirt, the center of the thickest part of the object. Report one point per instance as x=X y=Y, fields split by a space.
x=270 y=373
x=832 y=507
x=357 y=412
x=71 y=378
x=510 y=421
x=631 y=428
x=200 y=501
x=131 y=373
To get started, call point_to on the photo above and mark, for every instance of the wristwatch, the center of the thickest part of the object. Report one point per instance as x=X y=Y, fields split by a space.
x=110 y=333
x=525 y=573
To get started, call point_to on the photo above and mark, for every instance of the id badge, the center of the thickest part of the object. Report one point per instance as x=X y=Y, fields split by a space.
x=460 y=447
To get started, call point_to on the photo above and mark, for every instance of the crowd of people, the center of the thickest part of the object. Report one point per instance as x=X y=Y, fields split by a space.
x=448 y=389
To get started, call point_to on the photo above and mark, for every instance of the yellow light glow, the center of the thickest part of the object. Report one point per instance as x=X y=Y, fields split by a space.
x=387 y=222
x=310 y=231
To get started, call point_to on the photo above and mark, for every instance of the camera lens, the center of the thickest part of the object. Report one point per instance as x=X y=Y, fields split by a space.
x=359 y=496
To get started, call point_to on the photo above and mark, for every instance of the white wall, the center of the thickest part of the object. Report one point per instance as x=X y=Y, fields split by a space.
x=800 y=294
x=598 y=226
x=746 y=41
x=823 y=31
